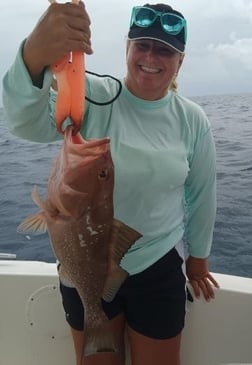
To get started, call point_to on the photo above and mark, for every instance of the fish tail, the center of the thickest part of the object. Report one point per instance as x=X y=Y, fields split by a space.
x=101 y=340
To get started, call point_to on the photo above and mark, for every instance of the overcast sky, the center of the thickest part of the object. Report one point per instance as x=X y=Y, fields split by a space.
x=218 y=54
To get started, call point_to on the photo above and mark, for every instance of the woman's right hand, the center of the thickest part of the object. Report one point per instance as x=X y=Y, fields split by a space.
x=61 y=29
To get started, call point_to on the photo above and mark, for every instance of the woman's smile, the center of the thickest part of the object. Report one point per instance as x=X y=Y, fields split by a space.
x=152 y=67
x=150 y=70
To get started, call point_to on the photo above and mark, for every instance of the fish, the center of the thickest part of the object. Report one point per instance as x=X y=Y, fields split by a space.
x=87 y=240
x=78 y=211
x=69 y=79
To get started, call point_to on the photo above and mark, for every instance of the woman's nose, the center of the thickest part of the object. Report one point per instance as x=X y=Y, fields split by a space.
x=150 y=52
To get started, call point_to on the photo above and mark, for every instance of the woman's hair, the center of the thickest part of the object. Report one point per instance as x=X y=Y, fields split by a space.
x=173 y=85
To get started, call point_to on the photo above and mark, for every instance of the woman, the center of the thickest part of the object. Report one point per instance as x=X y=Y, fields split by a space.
x=164 y=159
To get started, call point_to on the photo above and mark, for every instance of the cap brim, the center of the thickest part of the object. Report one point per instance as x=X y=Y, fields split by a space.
x=136 y=33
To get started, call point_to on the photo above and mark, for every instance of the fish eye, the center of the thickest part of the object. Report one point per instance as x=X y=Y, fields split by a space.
x=103 y=174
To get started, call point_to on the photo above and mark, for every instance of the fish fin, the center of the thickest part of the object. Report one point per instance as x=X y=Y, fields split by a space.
x=36 y=198
x=122 y=237
x=114 y=280
x=34 y=224
x=101 y=340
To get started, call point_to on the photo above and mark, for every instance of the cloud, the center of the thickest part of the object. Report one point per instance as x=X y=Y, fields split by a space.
x=225 y=9
x=218 y=53
x=240 y=52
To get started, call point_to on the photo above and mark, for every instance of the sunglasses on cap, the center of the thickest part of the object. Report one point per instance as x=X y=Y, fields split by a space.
x=171 y=23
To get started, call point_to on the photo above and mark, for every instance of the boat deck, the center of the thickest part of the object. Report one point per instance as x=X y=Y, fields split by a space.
x=33 y=330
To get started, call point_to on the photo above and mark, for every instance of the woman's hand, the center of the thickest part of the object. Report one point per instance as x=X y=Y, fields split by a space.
x=61 y=29
x=200 y=278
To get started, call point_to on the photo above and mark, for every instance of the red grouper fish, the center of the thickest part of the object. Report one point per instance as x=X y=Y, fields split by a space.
x=79 y=217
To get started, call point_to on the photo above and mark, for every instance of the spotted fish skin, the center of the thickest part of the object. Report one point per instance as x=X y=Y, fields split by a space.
x=89 y=243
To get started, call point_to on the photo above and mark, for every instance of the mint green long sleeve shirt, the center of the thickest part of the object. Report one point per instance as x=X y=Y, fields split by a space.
x=163 y=152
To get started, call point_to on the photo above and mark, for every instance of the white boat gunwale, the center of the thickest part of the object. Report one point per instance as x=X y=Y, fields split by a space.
x=33 y=328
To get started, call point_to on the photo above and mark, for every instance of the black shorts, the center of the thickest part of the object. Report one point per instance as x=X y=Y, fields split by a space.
x=153 y=301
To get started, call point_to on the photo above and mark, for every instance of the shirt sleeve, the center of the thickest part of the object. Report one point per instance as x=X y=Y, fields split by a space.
x=29 y=110
x=200 y=197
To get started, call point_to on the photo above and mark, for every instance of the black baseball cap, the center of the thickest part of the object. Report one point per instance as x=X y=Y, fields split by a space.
x=156 y=31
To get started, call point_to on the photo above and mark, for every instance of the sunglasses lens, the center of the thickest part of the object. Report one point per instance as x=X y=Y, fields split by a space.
x=172 y=23
x=144 y=17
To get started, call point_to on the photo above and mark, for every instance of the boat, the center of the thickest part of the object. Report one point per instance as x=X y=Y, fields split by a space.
x=33 y=330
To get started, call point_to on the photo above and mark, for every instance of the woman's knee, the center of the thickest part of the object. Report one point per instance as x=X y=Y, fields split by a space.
x=149 y=351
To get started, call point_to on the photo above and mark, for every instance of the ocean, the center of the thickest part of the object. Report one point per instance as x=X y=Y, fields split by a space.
x=24 y=164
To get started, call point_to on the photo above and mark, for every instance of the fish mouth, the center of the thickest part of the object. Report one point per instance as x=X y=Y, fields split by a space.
x=78 y=139
x=92 y=143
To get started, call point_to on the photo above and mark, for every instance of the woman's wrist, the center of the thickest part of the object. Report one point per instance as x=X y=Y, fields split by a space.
x=33 y=65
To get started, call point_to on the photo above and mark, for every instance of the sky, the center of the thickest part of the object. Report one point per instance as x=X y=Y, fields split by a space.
x=218 y=56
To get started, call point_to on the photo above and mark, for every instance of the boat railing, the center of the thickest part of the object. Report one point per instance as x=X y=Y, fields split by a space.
x=7 y=256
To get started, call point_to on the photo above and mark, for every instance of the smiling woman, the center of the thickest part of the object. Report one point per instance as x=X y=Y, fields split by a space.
x=164 y=163
x=157 y=52
x=148 y=76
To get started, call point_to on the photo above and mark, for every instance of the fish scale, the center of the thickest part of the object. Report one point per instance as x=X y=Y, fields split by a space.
x=86 y=238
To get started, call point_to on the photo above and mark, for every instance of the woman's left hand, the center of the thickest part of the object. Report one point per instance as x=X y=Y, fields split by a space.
x=200 y=278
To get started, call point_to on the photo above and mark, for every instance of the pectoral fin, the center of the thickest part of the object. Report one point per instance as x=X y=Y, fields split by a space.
x=34 y=224
x=114 y=280
x=122 y=237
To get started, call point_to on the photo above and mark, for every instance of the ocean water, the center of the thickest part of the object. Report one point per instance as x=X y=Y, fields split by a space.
x=24 y=164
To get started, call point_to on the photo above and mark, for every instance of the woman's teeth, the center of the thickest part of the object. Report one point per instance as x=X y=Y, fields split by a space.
x=150 y=69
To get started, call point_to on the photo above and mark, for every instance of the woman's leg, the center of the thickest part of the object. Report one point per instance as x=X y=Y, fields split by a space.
x=106 y=358
x=149 y=351
x=155 y=312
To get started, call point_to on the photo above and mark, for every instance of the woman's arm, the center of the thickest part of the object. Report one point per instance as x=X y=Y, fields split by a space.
x=200 y=196
x=27 y=96
x=62 y=28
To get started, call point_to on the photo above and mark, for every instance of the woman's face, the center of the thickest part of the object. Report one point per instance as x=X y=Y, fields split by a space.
x=151 y=67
